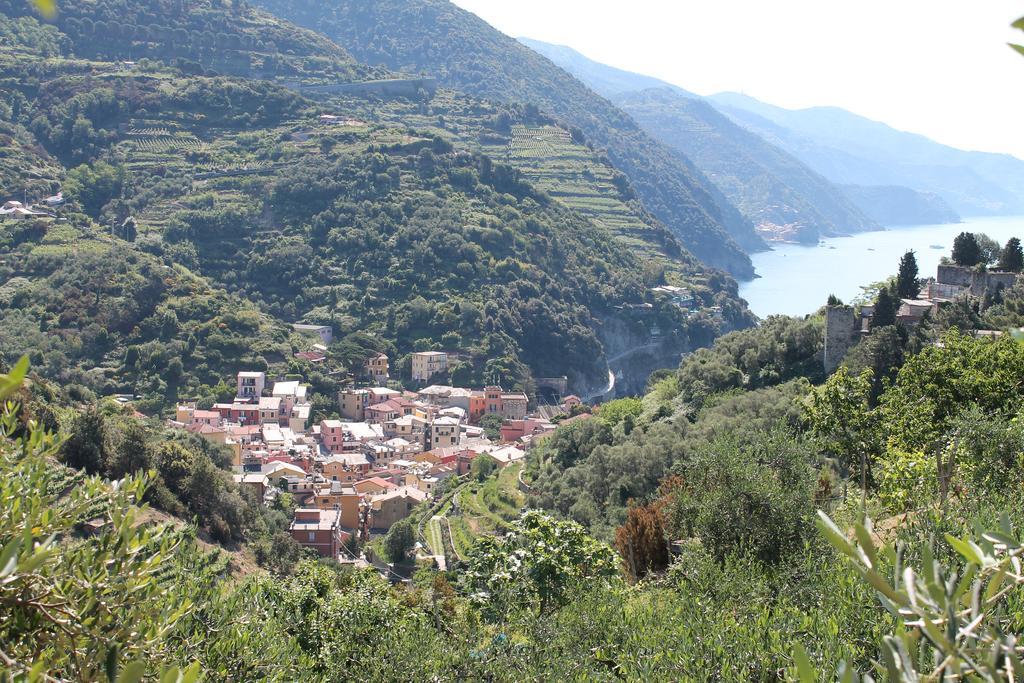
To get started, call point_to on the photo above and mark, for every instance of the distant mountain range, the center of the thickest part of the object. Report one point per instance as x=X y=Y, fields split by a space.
x=834 y=170
x=850 y=149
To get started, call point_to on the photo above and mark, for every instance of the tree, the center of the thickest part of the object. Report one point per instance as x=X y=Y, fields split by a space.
x=746 y=494
x=399 y=540
x=1012 y=257
x=840 y=417
x=990 y=249
x=886 y=306
x=88 y=446
x=482 y=466
x=492 y=426
x=935 y=385
x=963 y=614
x=882 y=352
x=966 y=250
x=642 y=540
x=132 y=453
x=907 y=284
x=93 y=186
x=538 y=563
x=78 y=609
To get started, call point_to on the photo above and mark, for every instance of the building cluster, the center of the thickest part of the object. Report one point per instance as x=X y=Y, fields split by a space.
x=356 y=475
x=15 y=210
x=846 y=325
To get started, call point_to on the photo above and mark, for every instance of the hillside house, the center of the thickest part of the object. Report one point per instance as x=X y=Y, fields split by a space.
x=346 y=467
x=403 y=448
x=505 y=455
x=251 y=385
x=242 y=413
x=375 y=368
x=408 y=427
x=513 y=430
x=335 y=495
x=271 y=410
x=205 y=417
x=514 y=405
x=354 y=402
x=680 y=296
x=477 y=406
x=427 y=364
x=911 y=311
x=373 y=486
x=397 y=504
x=320 y=530
x=291 y=393
x=14 y=210
x=323 y=332
x=253 y=481
x=509 y=405
x=278 y=471
x=444 y=432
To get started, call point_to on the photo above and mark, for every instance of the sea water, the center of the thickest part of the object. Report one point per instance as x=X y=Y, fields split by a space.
x=796 y=279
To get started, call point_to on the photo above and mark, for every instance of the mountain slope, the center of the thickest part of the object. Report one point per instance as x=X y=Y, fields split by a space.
x=896 y=205
x=605 y=80
x=464 y=52
x=778 y=193
x=773 y=189
x=370 y=226
x=852 y=150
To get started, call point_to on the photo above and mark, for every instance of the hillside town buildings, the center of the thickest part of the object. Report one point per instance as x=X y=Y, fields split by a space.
x=386 y=453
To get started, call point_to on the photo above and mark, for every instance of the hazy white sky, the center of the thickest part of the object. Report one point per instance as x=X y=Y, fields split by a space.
x=937 y=67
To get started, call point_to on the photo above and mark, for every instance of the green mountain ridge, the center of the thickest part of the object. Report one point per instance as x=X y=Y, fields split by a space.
x=435 y=38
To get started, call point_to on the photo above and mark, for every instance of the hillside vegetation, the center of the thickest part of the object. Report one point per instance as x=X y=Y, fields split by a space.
x=735 y=484
x=438 y=39
x=421 y=237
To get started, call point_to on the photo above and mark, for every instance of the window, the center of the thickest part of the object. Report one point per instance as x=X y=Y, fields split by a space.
x=312 y=536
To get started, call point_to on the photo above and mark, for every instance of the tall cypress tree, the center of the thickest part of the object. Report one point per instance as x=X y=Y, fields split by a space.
x=1012 y=257
x=907 y=284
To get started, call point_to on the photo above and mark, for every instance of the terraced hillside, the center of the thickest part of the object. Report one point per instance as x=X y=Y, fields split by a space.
x=571 y=174
x=567 y=169
x=463 y=52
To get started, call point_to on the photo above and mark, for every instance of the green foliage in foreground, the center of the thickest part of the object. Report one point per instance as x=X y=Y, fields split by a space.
x=542 y=603
x=958 y=621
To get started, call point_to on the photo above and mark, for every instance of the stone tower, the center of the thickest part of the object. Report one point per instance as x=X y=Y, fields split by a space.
x=840 y=335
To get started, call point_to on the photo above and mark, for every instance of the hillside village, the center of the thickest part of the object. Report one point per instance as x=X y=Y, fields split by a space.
x=390 y=452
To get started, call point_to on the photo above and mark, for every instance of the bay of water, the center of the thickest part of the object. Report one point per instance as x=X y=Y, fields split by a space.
x=796 y=280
